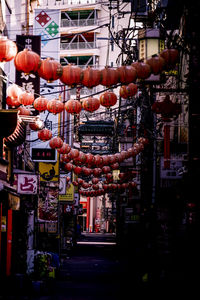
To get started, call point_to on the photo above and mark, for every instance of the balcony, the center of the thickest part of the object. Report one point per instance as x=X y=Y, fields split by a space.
x=79 y=22
x=78 y=46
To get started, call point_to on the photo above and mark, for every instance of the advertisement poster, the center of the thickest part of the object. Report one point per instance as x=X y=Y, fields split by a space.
x=69 y=195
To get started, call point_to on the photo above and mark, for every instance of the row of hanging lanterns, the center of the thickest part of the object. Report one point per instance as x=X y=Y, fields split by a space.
x=28 y=61
x=89 y=164
x=16 y=97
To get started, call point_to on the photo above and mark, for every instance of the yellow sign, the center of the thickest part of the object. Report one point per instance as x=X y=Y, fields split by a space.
x=14 y=202
x=69 y=196
x=49 y=171
x=3 y=224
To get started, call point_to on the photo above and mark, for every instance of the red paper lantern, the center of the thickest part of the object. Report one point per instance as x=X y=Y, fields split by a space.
x=111 y=158
x=143 y=70
x=44 y=134
x=97 y=160
x=14 y=91
x=109 y=177
x=34 y=126
x=108 y=99
x=95 y=186
x=127 y=91
x=106 y=169
x=97 y=172
x=12 y=102
x=68 y=167
x=105 y=160
x=64 y=149
x=40 y=103
x=95 y=180
x=89 y=158
x=73 y=106
x=26 y=98
x=56 y=142
x=86 y=171
x=55 y=106
x=77 y=170
x=74 y=153
x=156 y=64
x=91 y=104
x=91 y=77
x=8 y=49
x=27 y=61
x=71 y=75
x=118 y=157
x=64 y=157
x=171 y=57
x=109 y=76
x=22 y=111
x=50 y=69
x=81 y=158
x=127 y=74
x=115 y=166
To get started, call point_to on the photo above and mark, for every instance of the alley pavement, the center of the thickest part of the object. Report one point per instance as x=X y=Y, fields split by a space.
x=98 y=269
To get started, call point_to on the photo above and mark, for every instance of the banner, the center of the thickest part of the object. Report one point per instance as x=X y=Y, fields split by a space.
x=46 y=25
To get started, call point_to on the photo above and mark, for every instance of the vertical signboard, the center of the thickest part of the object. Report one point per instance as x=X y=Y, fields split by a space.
x=29 y=82
x=46 y=25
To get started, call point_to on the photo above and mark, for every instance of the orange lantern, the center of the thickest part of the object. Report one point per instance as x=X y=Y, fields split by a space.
x=44 y=134
x=91 y=104
x=73 y=106
x=50 y=69
x=143 y=70
x=109 y=76
x=56 y=142
x=40 y=103
x=91 y=77
x=171 y=57
x=156 y=64
x=127 y=74
x=26 y=98
x=8 y=49
x=127 y=91
x=108 y=99
x=71 y=75
x=55 y=106
x=27 y=61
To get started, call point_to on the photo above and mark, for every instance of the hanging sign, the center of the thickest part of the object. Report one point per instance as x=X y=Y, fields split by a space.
x=29 y=82
x=27 y=184
x=46 y=25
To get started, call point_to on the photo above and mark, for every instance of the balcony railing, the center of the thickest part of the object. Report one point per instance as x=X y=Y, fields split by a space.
x=77 y=46
x=78 y=22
